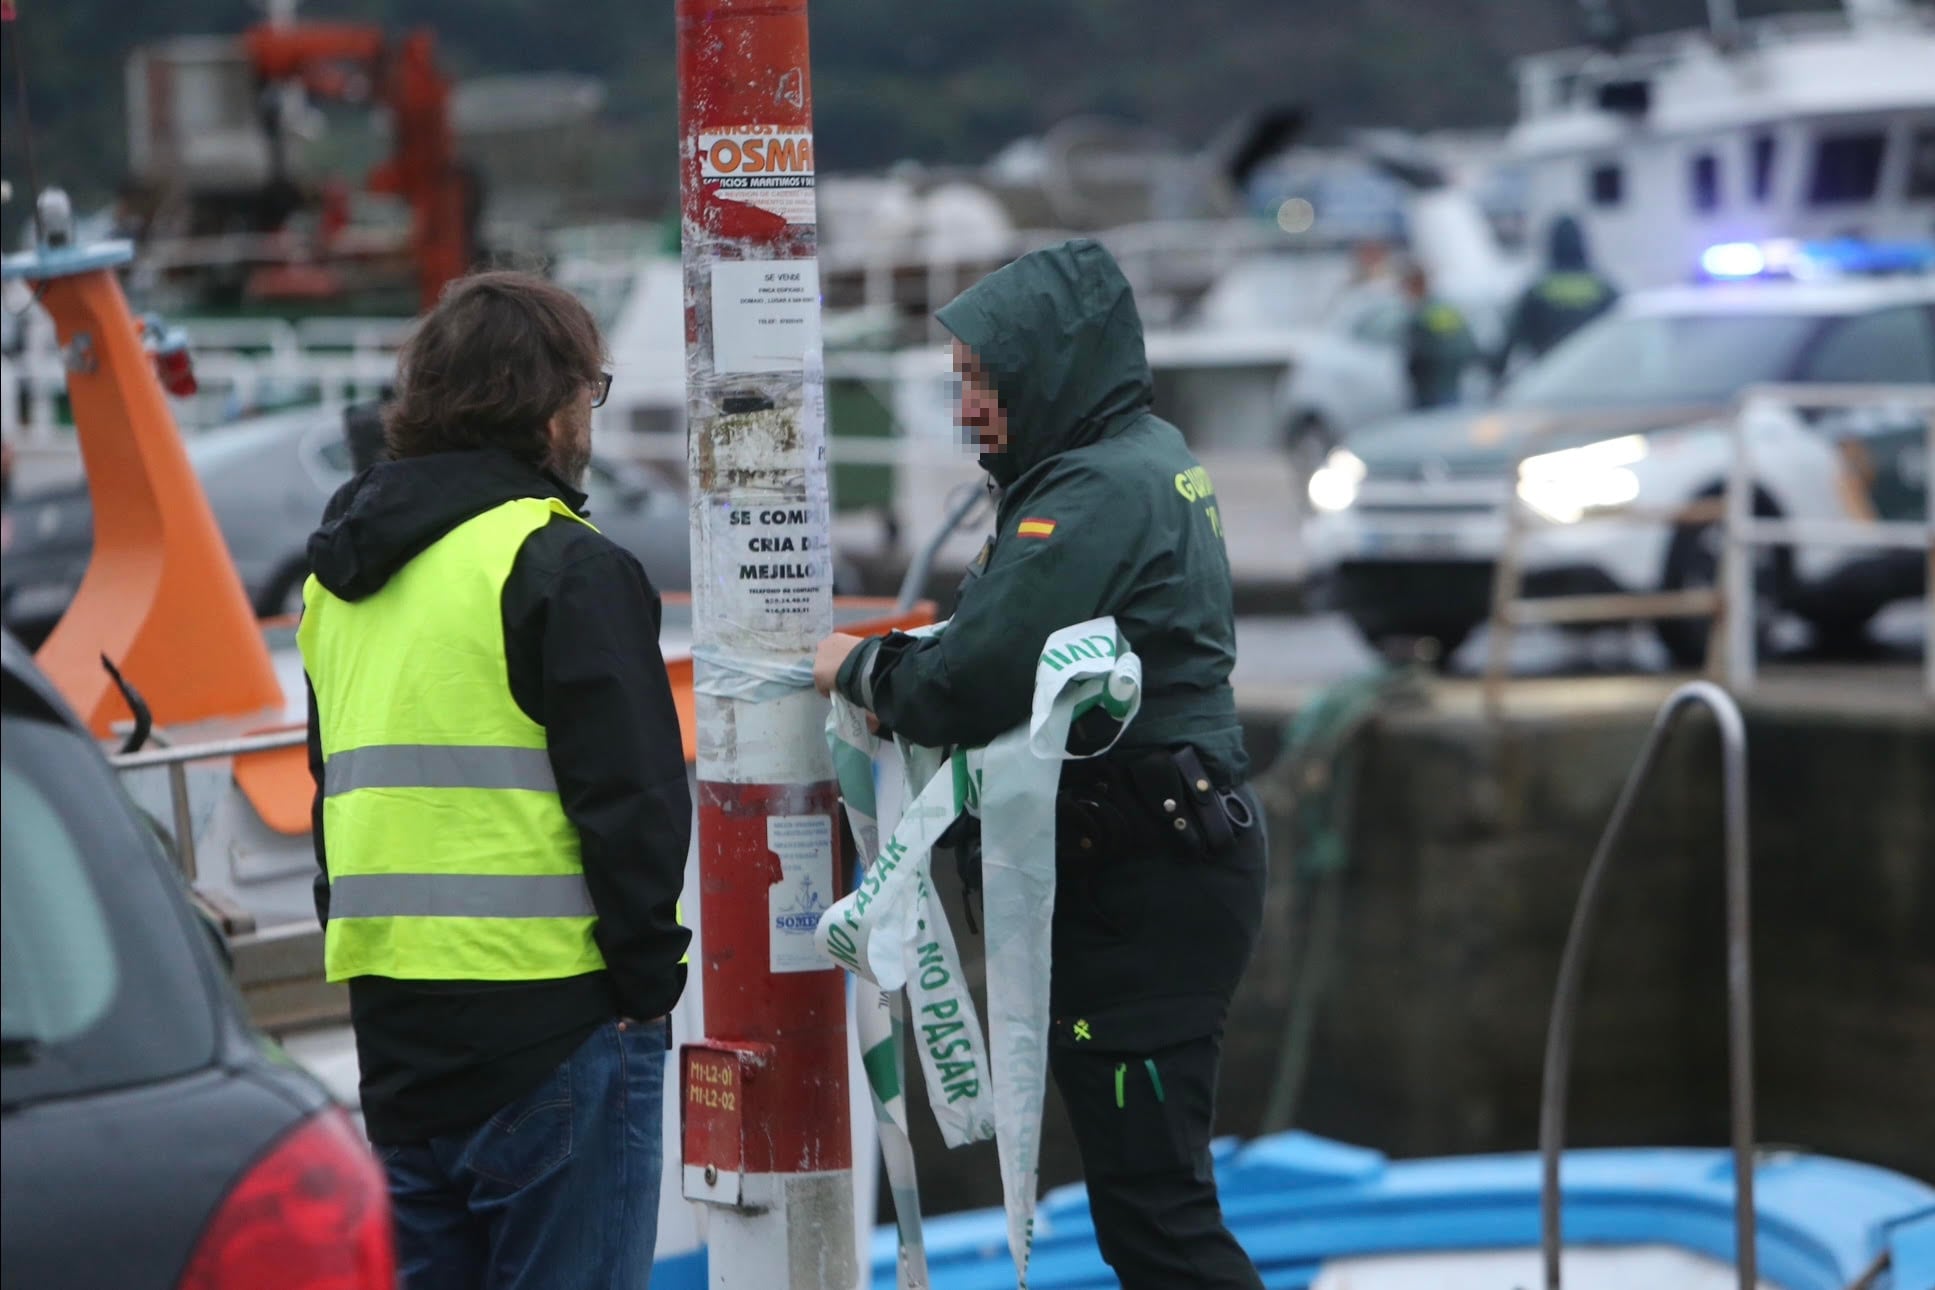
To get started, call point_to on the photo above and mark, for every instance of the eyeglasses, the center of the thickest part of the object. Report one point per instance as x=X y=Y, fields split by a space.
x=601 y=389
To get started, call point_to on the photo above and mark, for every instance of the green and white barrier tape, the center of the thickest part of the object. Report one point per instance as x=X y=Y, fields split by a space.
x=892 y=931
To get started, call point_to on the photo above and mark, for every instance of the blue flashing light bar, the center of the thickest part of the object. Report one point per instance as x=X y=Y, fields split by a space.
x=1789 y=259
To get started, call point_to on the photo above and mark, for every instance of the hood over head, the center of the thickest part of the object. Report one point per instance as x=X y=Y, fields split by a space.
x=390 y=513
x=1061 y=339
x=1566 y=245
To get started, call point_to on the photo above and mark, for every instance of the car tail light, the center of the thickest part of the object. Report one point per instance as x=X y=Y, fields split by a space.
x=176 y=369
x=312 y=1214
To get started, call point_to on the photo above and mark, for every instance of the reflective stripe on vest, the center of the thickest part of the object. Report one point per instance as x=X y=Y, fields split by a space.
x=438 y=766
x=457 y=895
x=450 y=855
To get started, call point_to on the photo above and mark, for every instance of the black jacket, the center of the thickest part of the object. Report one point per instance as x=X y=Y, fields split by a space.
x=581 y=624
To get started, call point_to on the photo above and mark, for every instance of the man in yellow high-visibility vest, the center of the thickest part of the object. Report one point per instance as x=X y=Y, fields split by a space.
x=501 y=812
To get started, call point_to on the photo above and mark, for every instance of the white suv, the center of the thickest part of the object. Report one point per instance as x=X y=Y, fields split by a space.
x=1630 y=413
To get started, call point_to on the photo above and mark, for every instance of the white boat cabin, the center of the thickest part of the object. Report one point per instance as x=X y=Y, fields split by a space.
x=1810 y=126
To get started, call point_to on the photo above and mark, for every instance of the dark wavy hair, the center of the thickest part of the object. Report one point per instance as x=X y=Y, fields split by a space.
x=500 y=354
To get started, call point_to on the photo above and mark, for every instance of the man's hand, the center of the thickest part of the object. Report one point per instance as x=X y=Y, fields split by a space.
x=828 y=659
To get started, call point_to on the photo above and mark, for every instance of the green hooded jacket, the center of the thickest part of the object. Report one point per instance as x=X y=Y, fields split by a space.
x=1103 y=511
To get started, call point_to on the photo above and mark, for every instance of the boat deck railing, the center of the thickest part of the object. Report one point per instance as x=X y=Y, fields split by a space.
x=1554 y=81
x=278 y=969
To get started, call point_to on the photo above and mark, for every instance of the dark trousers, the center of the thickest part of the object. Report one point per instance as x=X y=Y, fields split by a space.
x=557 y=1191
x=1142 y=1122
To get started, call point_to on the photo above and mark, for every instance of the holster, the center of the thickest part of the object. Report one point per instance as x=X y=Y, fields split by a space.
x=1113 y=804
x=1180 y=793
x=1110 y=806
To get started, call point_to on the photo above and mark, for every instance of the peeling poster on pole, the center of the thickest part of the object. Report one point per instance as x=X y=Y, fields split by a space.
x=766 y=166
x=763 y=314
x=765 y=555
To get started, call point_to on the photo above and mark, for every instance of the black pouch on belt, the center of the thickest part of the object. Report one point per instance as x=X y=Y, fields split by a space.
x=1174 y=787
x=1091 y=820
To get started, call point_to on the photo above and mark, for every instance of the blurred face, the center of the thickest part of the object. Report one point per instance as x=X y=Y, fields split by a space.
x=981 y=413
x=571 y=440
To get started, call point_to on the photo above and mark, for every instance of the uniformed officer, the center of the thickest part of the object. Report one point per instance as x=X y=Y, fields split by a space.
x=1160 y=847
x=1567 y=296
x=1438 y=344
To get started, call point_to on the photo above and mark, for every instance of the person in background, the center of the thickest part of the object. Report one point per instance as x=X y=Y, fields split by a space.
x=1373 y=270
x=1567 y=296
x=501 y=813
x=1438 y=344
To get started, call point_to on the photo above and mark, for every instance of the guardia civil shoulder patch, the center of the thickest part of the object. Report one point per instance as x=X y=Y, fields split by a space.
x=1036 y=529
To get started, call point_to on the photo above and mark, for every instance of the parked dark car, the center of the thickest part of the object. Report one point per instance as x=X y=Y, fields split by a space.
x=152 y=1137
x=267 y=480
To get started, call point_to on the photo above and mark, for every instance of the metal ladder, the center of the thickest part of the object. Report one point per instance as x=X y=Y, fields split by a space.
x=1740 y=1017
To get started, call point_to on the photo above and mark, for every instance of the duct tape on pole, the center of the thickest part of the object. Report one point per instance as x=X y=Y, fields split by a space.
x=764 y=1101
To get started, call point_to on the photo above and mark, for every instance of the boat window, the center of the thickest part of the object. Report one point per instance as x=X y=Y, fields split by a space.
x=1665 y=361
x=1705 y=182
x=1847 y=168
x=1921 y=162
x=1763 y=166
x=1607 y=184
x=1887 y=347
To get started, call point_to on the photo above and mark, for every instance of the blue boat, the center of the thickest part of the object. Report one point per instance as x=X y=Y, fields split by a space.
x=1321 y=1215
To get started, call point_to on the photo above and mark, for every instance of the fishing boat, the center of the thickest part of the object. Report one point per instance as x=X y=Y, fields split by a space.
x=1321 y=1215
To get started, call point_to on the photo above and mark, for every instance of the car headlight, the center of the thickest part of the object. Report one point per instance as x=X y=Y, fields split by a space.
x=1563 y=486
x=1333 y=485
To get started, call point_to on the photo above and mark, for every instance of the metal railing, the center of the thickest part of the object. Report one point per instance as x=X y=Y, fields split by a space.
x=1730 y=602
x=176 y=759
x=239 y=365
x=1572 y=966
x=1745 y=530
x=279 y=969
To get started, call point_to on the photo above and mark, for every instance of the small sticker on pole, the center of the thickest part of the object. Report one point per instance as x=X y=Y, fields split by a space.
x=804 y=845
x=764 y=315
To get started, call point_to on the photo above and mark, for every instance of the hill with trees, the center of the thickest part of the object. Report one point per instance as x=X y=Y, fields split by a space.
x=939 y=81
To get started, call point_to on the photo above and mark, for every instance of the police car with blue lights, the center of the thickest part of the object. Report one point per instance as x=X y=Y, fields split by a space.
x=1634 y=412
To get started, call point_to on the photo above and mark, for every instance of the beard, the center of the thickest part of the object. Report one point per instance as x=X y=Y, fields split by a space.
x=571 y=451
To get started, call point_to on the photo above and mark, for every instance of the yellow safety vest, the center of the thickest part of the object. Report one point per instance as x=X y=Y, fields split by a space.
x=450 y=855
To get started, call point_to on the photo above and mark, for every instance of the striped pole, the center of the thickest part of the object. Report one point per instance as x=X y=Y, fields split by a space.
x=765 y=1119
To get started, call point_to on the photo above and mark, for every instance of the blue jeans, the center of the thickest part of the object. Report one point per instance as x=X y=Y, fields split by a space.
x=557 y=1191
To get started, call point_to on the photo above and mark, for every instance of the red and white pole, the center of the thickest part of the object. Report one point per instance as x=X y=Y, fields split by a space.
x=765 y=1113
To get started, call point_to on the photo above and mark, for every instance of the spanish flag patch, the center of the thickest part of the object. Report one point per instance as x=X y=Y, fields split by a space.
x=1036 y=529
